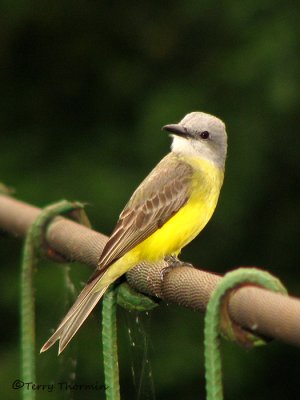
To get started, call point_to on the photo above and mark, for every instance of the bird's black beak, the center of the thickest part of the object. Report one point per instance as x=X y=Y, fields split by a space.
x=177 y=129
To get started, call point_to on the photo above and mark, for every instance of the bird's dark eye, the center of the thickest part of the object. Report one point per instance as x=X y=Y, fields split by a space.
x=204 y=135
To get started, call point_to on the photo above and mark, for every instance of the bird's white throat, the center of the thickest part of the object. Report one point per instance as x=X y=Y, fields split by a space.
x=186 y=147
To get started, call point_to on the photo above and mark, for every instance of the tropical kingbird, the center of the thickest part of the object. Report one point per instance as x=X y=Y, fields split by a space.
x=169 y=208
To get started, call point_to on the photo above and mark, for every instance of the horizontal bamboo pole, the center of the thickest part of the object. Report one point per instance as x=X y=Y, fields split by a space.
x=269 y=314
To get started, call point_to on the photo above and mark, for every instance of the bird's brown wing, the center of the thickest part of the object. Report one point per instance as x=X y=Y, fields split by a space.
x=165 y=190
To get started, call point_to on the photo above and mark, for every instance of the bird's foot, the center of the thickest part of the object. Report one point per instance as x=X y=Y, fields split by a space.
x=173 y=262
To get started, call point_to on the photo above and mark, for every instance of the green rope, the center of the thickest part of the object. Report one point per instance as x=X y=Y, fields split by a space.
x=129 y=299
x=213 y=367
x=28 y=317
x=33 y=247
x=110 y=347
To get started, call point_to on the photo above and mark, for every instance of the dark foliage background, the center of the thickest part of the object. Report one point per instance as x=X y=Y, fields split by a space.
x=85 y=88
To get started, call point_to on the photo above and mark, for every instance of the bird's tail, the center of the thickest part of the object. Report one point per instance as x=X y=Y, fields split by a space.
x=84 y=304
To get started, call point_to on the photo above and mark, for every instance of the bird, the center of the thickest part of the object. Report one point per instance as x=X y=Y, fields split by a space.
x=167 y=211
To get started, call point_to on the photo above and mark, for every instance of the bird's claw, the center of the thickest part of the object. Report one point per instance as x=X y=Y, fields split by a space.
x=173 y=262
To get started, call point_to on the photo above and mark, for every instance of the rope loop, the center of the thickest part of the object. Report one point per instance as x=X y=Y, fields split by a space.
x=128 y=298
x=217 y=320
x=132 y=300
x=35 y=245
x=39 y=228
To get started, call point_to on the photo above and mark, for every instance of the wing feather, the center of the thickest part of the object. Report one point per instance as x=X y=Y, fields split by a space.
x=155 y=201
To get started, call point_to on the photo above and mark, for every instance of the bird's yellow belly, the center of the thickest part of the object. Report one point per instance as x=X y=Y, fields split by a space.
x=184 y=226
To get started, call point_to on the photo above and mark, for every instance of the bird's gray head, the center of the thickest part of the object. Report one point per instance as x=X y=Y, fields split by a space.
x=200 y=135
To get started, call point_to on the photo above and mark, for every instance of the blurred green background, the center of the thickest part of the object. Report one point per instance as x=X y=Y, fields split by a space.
x=85 y=89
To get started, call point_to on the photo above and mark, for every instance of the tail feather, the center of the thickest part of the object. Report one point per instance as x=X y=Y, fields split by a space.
x=86 y=301
x=75 y=323
x=86 y=291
